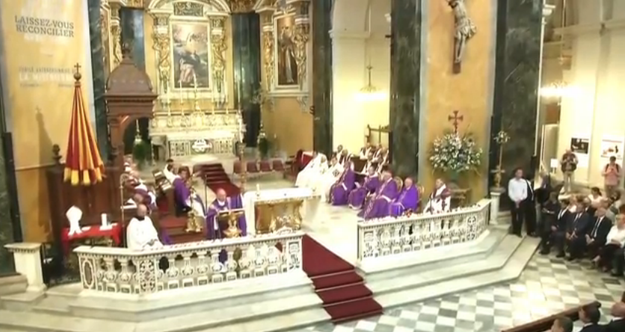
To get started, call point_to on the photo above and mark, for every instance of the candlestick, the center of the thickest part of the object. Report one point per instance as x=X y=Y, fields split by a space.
x=181 y=100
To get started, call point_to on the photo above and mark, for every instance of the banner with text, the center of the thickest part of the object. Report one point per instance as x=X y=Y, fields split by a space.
x=42 y=41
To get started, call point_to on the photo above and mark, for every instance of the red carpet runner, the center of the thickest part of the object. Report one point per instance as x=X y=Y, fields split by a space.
x=343 y=292
x=216 y=178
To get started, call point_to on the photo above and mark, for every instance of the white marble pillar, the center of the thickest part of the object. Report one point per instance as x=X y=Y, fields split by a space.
x=348 y=77
x=27 y=257
x=495 y=197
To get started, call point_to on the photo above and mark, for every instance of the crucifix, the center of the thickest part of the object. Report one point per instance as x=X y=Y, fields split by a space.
x=455 y=120
x=464 y=30
x=77 y=67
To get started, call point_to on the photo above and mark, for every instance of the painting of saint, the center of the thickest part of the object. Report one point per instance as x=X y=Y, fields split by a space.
x=286 y=63
x=190 y=55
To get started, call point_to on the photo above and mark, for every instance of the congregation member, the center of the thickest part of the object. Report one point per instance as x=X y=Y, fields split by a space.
x=611 y=176
x=440 y=198
x=615 y=240
x=590 y=315
x=309 y=177
x=140 y=232
x=597 y=235
x=365 y=151
x=186 y=199
x=575 y=236
x=330 y=177
x=562 y=324
x=517 y=191
x=595 y=196
x=220 y=204
x=407 y=201
x=568 y=164
x=379 y=204
x=340 y=190
x=617 y=324
x=554 y=216
x=357 y=196
x=529 y=207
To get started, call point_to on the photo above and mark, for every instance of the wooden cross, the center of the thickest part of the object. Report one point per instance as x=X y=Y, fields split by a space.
x=455 y=120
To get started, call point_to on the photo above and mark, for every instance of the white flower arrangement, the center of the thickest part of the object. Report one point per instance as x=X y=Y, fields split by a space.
x=502 y=137
x=455 y=153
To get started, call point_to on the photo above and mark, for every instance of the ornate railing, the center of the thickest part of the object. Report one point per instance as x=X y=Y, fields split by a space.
x=120 y=270
x=393 y=236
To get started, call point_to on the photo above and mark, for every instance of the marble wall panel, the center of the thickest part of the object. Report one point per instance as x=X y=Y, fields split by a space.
x=516 y=83
x=98 y=75
x=322 y=78
x=405 y=85
x=9 y=210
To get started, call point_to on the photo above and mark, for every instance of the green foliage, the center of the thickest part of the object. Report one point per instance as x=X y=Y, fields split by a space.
x=141 y=152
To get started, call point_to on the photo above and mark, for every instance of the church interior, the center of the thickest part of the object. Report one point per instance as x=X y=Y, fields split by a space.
x=312 y=165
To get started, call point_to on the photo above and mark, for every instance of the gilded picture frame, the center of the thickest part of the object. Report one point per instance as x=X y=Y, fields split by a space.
x=285 y=64
x=191 y=55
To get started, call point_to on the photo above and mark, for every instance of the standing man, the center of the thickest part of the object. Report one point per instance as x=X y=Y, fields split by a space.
x=517 y=191
x=141 y=233
x=569 y=165
x=611 y=175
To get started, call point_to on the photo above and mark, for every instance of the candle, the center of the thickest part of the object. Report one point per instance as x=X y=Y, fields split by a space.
x=194 y=81
x=104 y=220
x=180 y=84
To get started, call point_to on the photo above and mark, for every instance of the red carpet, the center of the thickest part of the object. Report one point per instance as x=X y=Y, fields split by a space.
x=343 y=292
x=216 y=178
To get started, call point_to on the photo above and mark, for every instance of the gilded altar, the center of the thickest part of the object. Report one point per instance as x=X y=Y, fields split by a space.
x=274 y=210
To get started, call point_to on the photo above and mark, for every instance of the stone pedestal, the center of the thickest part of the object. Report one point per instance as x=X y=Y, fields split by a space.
x=495 y=196
x=27 y=257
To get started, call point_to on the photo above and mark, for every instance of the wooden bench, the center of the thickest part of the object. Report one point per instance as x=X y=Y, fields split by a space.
x=544 y=324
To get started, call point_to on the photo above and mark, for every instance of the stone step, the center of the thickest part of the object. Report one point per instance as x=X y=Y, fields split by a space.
x=21 y=301
x=505 y=264
x=288 y=322
x=13 y=284
x=242 y=315
x=40 y=322
x=186 y=301
x=397 y=266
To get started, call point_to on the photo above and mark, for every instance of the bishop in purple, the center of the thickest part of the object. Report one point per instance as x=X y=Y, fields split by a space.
x=379 y=204
x=222 y=203
x=339 y=192
x=407 y=200
x=357 y=197
x=183 y=195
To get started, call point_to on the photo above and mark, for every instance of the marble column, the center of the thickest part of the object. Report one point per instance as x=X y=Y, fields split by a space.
x=322 y=79
x=405 y=85
x=10 y=230
x=247 y=71
x=98 y=74
x=517 y=79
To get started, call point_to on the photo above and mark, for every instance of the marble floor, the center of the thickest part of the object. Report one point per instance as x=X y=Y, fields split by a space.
x=547 y=285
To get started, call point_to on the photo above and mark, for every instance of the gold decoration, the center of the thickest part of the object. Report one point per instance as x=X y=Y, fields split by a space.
x=104 y=30
x=301 y=41
x=193 y=224
x=116 y=34
x=269 y=61
x=162 y=45
x=233 y=230
x=188 y=9
x=275 y=215
x=134 y=3
x=242 y=6
x=218 y=49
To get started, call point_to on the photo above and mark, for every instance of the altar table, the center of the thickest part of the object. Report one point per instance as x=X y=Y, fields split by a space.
x=296 y=200
x=114 y=232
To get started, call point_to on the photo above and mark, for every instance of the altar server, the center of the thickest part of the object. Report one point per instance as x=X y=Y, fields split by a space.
x=407 y=200
x=140 y=233
x=356 y=197
x=440 y=199
x=220 y=204
x=184 y=196
x=169 y=171
x=379 y=204
x=330 y=177
x=310 y=176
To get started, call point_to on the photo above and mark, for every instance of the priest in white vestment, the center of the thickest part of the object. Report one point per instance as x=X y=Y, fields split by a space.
x=440 y=199
x=311 y=174
x=140 y=233
x=330 y=177
x=169 y=172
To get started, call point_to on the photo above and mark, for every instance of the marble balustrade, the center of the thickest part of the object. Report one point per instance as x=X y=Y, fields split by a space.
x=120 y=270
x=394 y=236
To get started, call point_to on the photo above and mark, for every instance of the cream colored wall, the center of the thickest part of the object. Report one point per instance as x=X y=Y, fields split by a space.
x=594 y=109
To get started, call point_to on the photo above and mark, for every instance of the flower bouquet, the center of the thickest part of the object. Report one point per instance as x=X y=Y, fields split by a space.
x=454 y=154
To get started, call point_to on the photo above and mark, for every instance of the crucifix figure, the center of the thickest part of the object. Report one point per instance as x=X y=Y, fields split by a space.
x=455 y=120
x=465 y=30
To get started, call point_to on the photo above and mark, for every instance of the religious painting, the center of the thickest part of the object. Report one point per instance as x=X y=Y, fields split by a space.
x=190 y=47
x=286 y=65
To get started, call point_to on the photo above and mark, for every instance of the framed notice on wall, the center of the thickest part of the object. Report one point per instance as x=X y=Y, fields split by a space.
x=580 y=145
x=612 y=146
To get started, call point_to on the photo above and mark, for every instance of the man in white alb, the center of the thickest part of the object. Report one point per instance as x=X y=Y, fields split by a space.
x=440 y=199
x=330 y=177
x=310 y=176
x=169 y=171
x=140 y=233
x=517 y=191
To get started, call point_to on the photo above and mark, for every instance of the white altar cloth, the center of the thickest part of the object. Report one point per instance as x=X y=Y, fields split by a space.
x=250 y=198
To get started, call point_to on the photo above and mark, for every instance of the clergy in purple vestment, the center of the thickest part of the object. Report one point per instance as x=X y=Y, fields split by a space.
x=379 y=204
x=407 y=200
x=340 y=190
x=357 y=197
x=221 y=203
x=185 y=199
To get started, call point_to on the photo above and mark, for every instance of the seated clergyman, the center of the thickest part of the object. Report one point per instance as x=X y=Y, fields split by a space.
x=185 y=196
x=379 y=204
x=366 y=150
x=311 y=176
x=140 y=233
x=358 y=196
x=220 y=204
x=169 y=171
x=440 y=199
